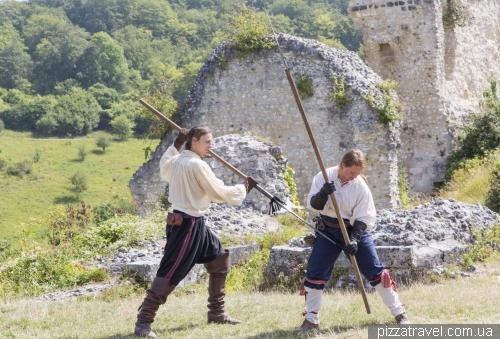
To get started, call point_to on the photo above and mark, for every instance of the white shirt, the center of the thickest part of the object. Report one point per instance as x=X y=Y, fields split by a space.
x=354 y=199
x=193 y=185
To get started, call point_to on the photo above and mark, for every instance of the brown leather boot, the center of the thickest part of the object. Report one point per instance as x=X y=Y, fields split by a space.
x=218 y=270
x=306 y=326
x=402 y=319
x=156 y=296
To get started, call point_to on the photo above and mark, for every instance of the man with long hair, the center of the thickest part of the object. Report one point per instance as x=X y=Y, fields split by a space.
x=192 y=186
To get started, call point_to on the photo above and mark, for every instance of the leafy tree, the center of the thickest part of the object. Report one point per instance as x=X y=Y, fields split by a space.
x=28 y=111
x=103 y=142
x=105 y=96
x=104 y=62
x=15 y=63
x=184 y=83
x=137 y=48
x=481 y=135
x=156 y=16
x=77 y=113
x=161 y=98
x=347 y=34
x=123 y=127
x=80 y=182
x=56 y=46
x=14 y=12
x=66 y=87
x=47 y=125
x=99 y=15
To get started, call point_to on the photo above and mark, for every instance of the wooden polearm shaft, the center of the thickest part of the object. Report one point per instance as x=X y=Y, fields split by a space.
x=235 y=170
x=323 y=169
x=215 y=156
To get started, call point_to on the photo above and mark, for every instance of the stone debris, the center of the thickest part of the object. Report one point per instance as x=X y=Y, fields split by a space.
x=412 y=243
x=436 y=221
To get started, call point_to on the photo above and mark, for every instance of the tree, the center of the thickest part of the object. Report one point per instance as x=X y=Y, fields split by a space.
x=102 y=142
x=80 y=182
x=77 y=113
x=56 y=46
x=123 y=127
x=137 y=47
x=347 y=34
x=104 y=62
x=105 y=96
x=15 y=63
x=26 y=112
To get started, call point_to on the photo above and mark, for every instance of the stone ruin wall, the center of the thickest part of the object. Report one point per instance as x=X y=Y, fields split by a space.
x=441 y=71
x=251 y=94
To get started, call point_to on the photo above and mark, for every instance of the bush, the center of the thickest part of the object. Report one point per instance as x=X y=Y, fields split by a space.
x=103 y=212
x=2 y=126
x=36 y=270
x=493 y=195
x=487 y=241
x=82 y=153
x=19 y=169
x=123 y=127
x=250 y=30
x=339 y=94
x=79 y=180
x=102 y=142
x=481 y=134
x=66 y=222
x=304 y=86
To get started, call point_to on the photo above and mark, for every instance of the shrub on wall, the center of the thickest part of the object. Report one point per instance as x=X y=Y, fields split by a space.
x=493 y=195
x=387 y=106
x=249 y=29
x=339 y=94
x=455 y=14
x=304 y=86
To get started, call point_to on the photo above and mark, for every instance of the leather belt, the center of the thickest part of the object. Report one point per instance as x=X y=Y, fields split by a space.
x=184 y=215
x=333 y=225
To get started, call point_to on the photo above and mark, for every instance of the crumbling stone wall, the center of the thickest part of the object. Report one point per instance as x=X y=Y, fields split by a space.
x=237 y=94
x=442 y=71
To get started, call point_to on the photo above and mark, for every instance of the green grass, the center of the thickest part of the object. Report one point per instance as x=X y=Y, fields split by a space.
x=271 y=314
x=32 y=195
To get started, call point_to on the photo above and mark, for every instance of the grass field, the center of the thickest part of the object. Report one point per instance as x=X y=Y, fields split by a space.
x=264 y=315
x=32 y=195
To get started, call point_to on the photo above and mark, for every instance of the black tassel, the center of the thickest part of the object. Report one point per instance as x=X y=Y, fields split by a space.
x=275 y=205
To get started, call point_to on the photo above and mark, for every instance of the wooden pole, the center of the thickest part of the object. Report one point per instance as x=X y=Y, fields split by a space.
x=218 y=158
x=323 y=170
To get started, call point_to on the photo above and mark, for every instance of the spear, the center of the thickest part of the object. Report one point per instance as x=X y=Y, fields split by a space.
x=276 y=203
x=322 y=166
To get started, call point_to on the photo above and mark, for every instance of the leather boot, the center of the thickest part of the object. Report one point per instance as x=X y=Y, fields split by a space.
x=156 y=296
x=218 y=270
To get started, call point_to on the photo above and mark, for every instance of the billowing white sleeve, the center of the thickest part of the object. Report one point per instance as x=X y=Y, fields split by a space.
x=216 y=190
x=169 y=154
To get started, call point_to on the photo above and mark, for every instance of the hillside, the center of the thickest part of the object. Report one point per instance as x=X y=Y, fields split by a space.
x=33 y=194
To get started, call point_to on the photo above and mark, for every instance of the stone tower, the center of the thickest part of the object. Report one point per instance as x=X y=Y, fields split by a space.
x=441 y=69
